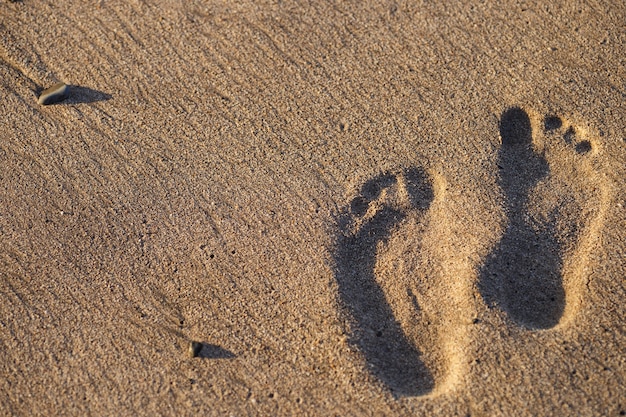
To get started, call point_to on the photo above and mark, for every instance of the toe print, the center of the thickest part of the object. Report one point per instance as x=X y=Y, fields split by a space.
x=373 y=216
x=531 y=274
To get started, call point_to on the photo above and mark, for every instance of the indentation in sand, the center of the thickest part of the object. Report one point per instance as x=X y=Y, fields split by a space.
x=554 y=204
x=396 y=305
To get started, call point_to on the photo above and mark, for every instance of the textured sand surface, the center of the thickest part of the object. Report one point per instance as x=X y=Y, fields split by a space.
x=359 y=208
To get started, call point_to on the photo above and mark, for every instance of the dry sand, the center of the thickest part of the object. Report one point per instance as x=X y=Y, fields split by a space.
x=359 y=208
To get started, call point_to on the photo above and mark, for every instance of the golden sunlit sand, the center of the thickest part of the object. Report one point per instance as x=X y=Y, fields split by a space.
x=324 y=208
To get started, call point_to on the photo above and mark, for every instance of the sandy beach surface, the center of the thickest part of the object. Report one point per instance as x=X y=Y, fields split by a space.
x=356 y=207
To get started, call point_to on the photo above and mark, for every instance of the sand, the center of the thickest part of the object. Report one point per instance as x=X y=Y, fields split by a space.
x=358 y=208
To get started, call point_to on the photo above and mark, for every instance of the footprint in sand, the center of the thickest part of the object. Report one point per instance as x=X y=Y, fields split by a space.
x=401 y=305
x=383 y=205
x=536 y=273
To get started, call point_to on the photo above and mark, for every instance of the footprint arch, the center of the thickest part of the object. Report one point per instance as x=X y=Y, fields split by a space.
x=554 y=205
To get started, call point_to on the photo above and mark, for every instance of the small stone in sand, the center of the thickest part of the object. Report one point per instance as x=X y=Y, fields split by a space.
x=54 y=94
x=194 y=349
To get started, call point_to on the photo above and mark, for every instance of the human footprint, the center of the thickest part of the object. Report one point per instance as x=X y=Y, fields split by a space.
x=381 y=206
x=535 y=274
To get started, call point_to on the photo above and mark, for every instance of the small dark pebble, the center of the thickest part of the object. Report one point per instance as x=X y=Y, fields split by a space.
x=194 y=349
x=54 y=94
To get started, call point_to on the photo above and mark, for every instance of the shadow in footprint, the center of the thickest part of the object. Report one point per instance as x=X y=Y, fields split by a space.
x=389 y=353
x=523 y=274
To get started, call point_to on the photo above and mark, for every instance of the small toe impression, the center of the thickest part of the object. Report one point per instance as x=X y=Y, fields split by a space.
x=583 y=147
x=370 y=191
x=552 y=123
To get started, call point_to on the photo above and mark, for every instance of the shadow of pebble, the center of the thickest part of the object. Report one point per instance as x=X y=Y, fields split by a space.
x=78 y=94
x=210 y=351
